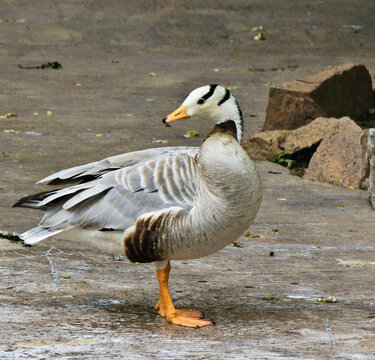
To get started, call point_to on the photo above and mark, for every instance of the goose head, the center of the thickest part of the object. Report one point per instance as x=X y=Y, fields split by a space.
x=212 y=102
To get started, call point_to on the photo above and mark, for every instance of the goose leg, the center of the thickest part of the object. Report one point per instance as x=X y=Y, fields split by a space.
x=165 y=307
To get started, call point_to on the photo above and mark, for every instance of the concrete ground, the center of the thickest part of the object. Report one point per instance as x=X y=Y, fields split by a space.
x=125 y=65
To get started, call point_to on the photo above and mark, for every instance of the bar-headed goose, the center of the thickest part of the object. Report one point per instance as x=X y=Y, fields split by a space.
x=160 y=204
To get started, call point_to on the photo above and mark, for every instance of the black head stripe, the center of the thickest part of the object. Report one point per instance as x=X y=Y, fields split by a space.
x=209 y=94
x=225 y=97
x=239 y=110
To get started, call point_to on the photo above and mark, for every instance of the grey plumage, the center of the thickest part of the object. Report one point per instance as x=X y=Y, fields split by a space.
x=164 y=203
x=125 y=187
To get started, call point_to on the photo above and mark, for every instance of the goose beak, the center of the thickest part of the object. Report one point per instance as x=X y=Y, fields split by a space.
x=178 y=114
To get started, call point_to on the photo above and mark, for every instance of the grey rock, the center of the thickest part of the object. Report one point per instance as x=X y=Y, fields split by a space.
x=268 y=145
x=345 y=90
x=341 y=158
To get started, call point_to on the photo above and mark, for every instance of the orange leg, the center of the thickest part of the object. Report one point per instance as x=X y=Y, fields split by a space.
x=190 y=318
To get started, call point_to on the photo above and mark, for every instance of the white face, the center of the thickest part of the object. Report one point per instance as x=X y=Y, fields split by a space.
x=212 y=102
x=203 y=103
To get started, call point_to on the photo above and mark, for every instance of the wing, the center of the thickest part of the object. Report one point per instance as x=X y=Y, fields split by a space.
x=89 y=171
x=114 y=193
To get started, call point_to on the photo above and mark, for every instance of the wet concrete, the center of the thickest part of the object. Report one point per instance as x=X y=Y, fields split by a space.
x=104 y=101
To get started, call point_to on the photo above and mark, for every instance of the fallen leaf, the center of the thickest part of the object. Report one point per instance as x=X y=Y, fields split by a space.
x=159 y=141
x=259 y=36
x=351 y=262
x=8 y=115
x=152 y=74
x=66 y=276
x=268 y=297
x=330 y=299
x=12 y=131
x=251 y=235
x=232 y=88
x=49 y=112
x=191 y=133
x=257 y=28
x=238 y=244
x=98 y=135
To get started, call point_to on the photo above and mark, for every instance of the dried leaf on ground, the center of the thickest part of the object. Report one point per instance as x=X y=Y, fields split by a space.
x=232 y=87
x=351 y=262
x=330 y=299
x=259 y=36
x=257 y=28
x=12 y=131
x=8 y=115
x=191 y=133
x=251 y=235
x=159 y=141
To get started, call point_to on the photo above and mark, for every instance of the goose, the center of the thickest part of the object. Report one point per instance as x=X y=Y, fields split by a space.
x=160 y=204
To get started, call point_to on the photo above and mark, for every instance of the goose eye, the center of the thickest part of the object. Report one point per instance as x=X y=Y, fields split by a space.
x=200 y=101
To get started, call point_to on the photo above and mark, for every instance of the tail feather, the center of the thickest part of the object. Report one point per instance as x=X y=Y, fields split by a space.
x=39 y=233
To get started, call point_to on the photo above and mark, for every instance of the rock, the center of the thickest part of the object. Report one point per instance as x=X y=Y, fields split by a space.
x=265 y=145
x=345 y=90
x=308 y=135
x=268 y=145
x=341 y=157
x=371 y=155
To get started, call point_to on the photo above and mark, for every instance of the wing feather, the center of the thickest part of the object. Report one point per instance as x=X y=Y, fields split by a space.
x=124 y=188
x=79 y=173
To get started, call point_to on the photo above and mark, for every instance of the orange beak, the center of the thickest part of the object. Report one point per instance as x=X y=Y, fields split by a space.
x=178 y=114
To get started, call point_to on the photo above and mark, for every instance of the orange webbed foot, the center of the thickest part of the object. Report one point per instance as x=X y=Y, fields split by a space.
x=195 y=314
x=189 y=321
x=183 y=317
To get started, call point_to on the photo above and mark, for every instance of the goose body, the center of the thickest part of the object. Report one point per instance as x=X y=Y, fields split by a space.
x=225 y=203
x=160 y=204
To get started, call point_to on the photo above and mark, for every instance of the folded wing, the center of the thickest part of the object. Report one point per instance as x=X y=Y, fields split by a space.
x=111 y=194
